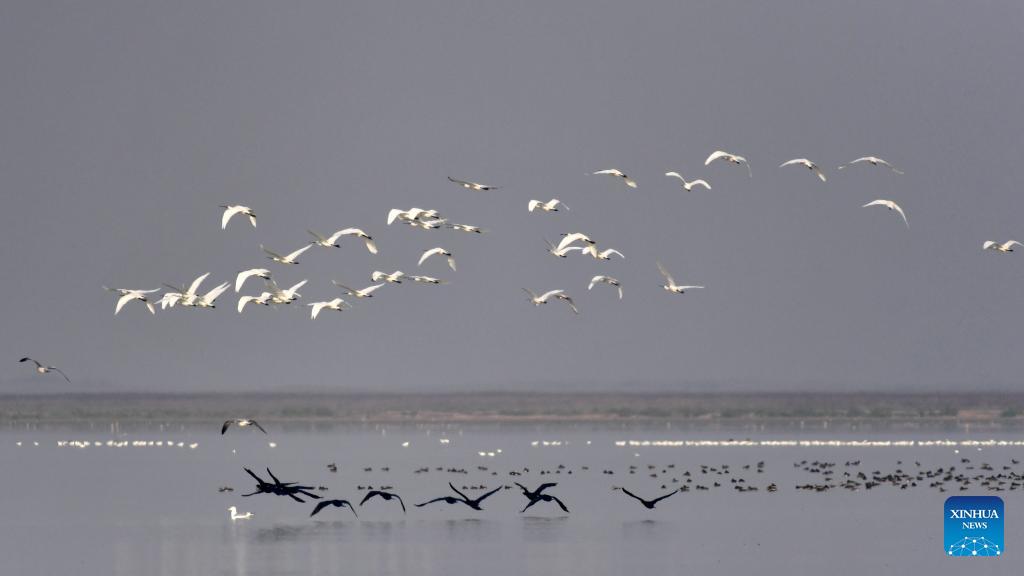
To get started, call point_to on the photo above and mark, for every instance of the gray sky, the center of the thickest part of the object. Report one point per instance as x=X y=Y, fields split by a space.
x=124 y=124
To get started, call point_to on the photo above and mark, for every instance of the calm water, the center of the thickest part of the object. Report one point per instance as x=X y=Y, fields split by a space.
x=136 y=510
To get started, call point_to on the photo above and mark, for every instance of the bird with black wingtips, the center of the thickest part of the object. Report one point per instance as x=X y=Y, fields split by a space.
x=43 y=369
x=649 y=504
x=336 y=503
x=463 y=499
x=385 y=496
x=538 y=495
x=241 y=423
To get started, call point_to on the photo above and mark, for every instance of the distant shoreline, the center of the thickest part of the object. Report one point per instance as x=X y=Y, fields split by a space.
x=503 y=407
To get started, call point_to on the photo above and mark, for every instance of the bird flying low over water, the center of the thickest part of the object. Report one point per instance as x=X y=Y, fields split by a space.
x=438 y=251
x=806 y=164
x=472 y=185
x=688 y=185
x=337 y=304
x=230 y=211
x=538 y=495
x=891 y=206
x=549 y=206
x=732 y=158
x=874 y=161
x=241 y=423
x=364 y=293
x=543 y=298
x=615 y=172
x=336 y=503
x=605 y=280
x=1005 y=247
x=462 y=499
x=246 y=274
x=383 y=495
x=43 y=369
x=649 y=504
x=129 y=295
x=671 y=285
x=289 y=259
x=278 y=488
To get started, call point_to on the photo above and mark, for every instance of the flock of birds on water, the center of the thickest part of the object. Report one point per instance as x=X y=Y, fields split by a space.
x=431 y=219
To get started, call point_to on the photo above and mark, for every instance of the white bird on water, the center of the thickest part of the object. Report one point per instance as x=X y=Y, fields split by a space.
x=549 y=206
x=332 y=240
x=891 y=206
x=236 y=516
x=438 y=251
x=337 y=304
x=671 y=285
x=472 y=185
x=43 y=369
x=732 y=158
x=231 y=210
x=688 y=185
x=615 y=172
x=129 y=295
x=806 y=164
x=874 y=161
x=545 y=297
x=605 y=280
x=289 y=259
x=364 y=293
x=246 y=274
x=1005 y=247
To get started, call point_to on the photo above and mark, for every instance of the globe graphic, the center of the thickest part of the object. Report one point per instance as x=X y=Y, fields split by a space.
x=974 y=546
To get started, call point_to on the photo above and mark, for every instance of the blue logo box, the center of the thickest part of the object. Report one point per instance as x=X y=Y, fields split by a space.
x=974 y=526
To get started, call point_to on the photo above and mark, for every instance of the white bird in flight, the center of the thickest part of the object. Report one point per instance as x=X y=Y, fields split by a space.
x=393 y=278
x=466 y=228
x=263 y=299
x=427 y=280
x=806 y=164
x=364 y=293
x=337 y=304
x=688 y=185
x=605 y=280
x=562 y=252
x=180 y=296
x=129 y=295
x=207 y=300
x=671 y=285
x=874 y=161
x=602 y=255
x=289 y=259
x=615 y=172
x=332 y=240
x=230 y=211
x=891 y=206
x=236 y=516
x=280 y=296
x=1005 y=247
x=544 y=298
x=472 y=185
x=568 y=239
x=733 y=158
x=438 y=251
x=43 y=369
x=246 y=274
x=411 y=214
x=549 y=206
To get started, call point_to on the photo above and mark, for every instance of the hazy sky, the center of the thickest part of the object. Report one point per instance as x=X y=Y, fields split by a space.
x=123 y=126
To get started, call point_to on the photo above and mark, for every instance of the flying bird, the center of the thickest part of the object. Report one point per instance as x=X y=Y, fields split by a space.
x=427 y=280
x=561 y=252
x=605 y=280
x=463 y=499
x=688 y=185
x=246 y=274
x=230 y=211
x=891 y=206
x=602 y=255
x=364 y=293
x=671 y=285
x=1005 y=247
x=207 y=300
x=336 y=503
x=568 y=239
x=806 y=164
x=393 y=278
x=289 y=259
x=263 y=299
x=466 y=228
x=438 y=251
x=129 y=295
x=332 y=240
x=411 y=215
x=538 y=495
x=43 y=369
x=472 y=185
x=337 y=304
x=733 y=158
x=544 y=298
x=241 y=423
x=874 y=161
x=182 y=296
x=549 y=206
x=383 y=495
x=614 y=172
x=649 y=504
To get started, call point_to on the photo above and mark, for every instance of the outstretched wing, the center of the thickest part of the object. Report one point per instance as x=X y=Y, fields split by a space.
x=487 y=495
x=665 y=273
x=628 y=493
x=27 y=359
x=369 y=495
x=321 y=505
x=400 y=501
x=452 y=486
x=256 y=424
x=660 y=498
x=442 y=498
x=224 y=429
x=545 y=486
x=61 y=372
x=560 y=504
x=296 y=254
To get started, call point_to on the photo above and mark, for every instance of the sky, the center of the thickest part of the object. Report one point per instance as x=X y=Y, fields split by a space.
x=124 y=125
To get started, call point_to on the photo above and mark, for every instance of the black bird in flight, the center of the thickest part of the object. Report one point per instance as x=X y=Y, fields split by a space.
x=463 y=499
x=649 y=504
x=538 y=496
x=385 y=496
x=336 y=503
x=278 y=488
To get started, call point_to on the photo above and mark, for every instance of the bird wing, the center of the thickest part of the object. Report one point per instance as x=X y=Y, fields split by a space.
x=620 y=291
x=291 y=257
x=61 y=372
x=530 y=503
x=611 y=171
x=700 y=183
x=27 y=359
x=628 y=493
x=1010 y=244
x=371 y=246
x=224 y=429
x=370 y=289
x=343 y=287
x=569 y=301
x=897 y=208
x=297 y=286
x=675 y=175
x=320 y=238
x=451 y=263
x=560 y=504
x=487 y=495
x=715 y=156
x=321 y=505
x=228 y=213
x=532 y=204
x=393 y=214
x=818 y=171
x=444 y=498
x=794 y=161
x=195 y=284
x=544 y=297
x=460 y=182
x=428 y=254
x=400 y=501
x=988 y=244
x=272 y=254
x=122 y=301
x=212 y=295
x=256 y=424
x=607 y=253
x=660 y=498
x=316 y=307
x=545 y=486
x=369 y=495
x=665 y=273
x=452 y=486
x=533 y=296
